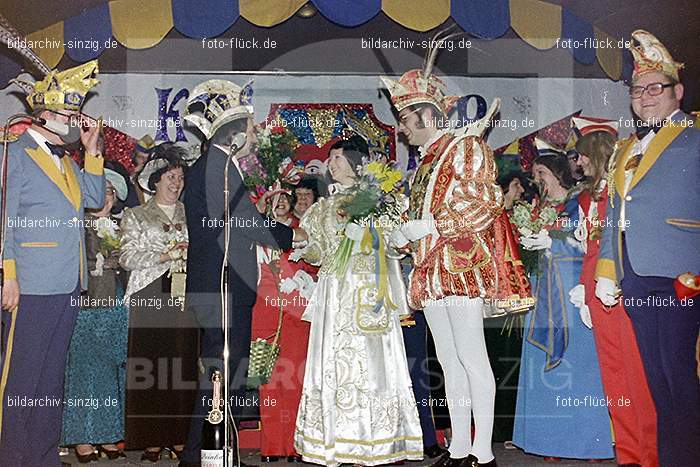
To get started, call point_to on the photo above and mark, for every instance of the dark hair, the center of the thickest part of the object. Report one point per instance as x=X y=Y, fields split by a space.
x=310 y=183
x=598 y=147
x=224 y=134
x=174 y=155
x=529 y=190
x=558 y=164
x=354 y=149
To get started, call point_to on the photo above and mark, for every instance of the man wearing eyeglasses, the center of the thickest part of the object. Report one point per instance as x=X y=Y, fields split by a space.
x=652 y=236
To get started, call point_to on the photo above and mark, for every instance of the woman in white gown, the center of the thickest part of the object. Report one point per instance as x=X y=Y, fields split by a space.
x=357 y=405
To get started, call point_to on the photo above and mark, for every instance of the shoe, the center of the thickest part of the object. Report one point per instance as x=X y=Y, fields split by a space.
x=434 y=451
x=268 y=459
x=473 y=461
x=87 y=458
x=294 y=459
x=151 y=456
x=452 y=462
x=111 y=454
x=440 y=461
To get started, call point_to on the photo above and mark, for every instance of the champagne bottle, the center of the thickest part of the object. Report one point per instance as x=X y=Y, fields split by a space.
x=212 y=453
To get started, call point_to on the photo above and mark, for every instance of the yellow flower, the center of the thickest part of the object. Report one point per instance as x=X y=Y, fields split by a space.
x=390 y=179
x=375 y=168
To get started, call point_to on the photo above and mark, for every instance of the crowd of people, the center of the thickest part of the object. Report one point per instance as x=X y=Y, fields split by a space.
x=609 y=334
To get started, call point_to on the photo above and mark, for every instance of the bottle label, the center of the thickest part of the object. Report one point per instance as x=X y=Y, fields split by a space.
x=212 y=458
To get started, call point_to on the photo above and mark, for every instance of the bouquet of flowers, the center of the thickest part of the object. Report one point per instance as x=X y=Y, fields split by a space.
x=531 y=218
x=108 y=233
x=273 y=163
x=377 y=194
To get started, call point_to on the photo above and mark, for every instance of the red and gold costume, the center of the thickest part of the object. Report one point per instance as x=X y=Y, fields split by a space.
x=474 y=254
x=461 y=254
x=621 y=367
x=279 y=398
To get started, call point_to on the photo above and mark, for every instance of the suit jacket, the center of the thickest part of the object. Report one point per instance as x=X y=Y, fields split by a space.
x=204 y=207
x=662 y=207
x=44 y=237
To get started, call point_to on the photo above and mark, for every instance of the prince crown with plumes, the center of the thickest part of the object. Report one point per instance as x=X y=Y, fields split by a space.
x=414 y=87
x=651 y=55
x=62 y=90
x=421 y=86
x=216 y=102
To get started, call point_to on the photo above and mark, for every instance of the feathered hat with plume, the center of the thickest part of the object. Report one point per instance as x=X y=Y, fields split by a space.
x=651 y=55
x=59 y=89
x=420 y=86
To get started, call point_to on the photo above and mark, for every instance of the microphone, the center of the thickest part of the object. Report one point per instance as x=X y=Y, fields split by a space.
x=237 y=143
x=61 y=129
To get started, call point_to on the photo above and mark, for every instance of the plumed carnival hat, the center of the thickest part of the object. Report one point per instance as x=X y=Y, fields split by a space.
x=61 y=90
x=586 y=125
x=214 y=103
x=651 y=55
x=420 y=86
x=546 y=149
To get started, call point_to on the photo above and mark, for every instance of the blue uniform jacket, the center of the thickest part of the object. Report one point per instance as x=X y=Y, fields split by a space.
x=44 y=238
x=662 y=210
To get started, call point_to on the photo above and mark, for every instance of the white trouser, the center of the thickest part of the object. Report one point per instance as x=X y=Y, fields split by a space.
x=458 y=331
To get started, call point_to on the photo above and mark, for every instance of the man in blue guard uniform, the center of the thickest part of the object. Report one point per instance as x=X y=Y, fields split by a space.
x=44 y=263
x=651 y=237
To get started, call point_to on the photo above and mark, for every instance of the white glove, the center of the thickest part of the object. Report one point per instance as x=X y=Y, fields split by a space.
x=288 y=285
x=397 y=239
x=306 y=284
x=585 y=315
x=354 y=231
x=538 y=241
x=606 y=290
x=417 y=229
x=577 y=295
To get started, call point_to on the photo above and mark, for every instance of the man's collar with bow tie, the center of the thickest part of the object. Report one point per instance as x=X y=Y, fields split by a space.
x=56 y=149
x=654 y=126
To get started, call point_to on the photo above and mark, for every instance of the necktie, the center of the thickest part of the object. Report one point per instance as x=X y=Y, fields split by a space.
x=56 y=149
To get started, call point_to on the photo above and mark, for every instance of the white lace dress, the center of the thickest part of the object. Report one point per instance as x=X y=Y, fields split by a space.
x=357 y=404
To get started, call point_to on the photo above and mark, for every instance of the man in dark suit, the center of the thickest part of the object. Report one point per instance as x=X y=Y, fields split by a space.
x=204 y=207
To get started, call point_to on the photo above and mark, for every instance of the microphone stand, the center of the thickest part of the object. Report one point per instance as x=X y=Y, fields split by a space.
x=228 y=450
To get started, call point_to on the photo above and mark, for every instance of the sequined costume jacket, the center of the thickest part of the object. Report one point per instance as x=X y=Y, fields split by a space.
x=471 y=255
